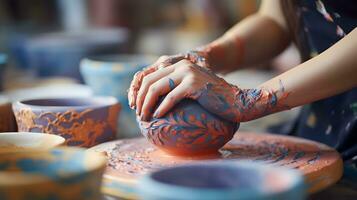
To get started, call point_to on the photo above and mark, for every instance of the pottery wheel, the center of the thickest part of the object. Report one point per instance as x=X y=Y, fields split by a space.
x=131 y=158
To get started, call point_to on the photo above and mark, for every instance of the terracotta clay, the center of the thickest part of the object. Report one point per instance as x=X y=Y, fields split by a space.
x=130 y=159
x=82 y=122
x=188 y=129
x=7 y=118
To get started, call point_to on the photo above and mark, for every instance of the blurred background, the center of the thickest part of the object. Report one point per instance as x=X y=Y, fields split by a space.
x=52 y=48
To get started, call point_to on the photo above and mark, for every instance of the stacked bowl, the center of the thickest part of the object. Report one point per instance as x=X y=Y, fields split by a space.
x=111 y=75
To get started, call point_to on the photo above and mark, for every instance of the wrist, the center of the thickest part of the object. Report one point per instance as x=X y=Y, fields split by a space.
x=199 y=57
x=226 y=53
x=256 y=103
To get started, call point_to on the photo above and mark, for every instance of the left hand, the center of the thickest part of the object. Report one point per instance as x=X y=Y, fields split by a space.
x=198 y=56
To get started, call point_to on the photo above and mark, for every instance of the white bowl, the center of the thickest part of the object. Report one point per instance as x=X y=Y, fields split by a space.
x=21 y=141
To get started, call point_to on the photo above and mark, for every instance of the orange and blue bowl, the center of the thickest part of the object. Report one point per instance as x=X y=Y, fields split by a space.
x=83 y=122
x=63 y=173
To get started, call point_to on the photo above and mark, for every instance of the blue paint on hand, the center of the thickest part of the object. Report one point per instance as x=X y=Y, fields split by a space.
x=171 y=84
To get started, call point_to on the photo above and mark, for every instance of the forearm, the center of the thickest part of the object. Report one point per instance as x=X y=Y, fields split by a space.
x=254 y=40
x=330 y=73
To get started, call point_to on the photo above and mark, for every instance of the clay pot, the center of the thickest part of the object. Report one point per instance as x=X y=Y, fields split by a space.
x=224 y=180
x=60 y=173
x=111 y=75
x=188 y=129
x=24 y=141
x=7 y=118
x=82 y=122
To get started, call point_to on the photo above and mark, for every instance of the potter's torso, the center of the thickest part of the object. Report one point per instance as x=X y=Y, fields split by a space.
x=315 y=26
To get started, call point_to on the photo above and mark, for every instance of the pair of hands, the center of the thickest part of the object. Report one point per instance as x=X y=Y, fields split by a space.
x=189 y=76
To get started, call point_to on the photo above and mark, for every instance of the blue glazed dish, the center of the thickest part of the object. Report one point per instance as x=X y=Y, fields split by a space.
x=112 y=75
x=59 y=53
x=61 y=173
x=224 y=181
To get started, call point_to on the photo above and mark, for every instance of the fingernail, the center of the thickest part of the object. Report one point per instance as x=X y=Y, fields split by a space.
x=156 y=114
x=131 y=106
x=138 y=110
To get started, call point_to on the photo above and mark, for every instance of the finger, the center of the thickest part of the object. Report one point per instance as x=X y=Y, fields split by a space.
x=173 y=59
x=147 y=82
x=137 y=79
x=160 y=60
x=176 y=95
x=159 y=88
x=178 y=62
x=165 y=61
x=135 y=85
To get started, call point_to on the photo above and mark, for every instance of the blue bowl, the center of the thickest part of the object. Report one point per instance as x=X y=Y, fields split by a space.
x=59 y=53
x=3 y=60
x=112 y=75
x=61 y=173
x=224 y=181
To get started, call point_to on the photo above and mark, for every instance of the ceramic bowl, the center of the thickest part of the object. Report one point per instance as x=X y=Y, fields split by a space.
x=188 y=129
x=3 y=60
x=24 y=141
x=83 y=122
x=7 y=118
x=112 y=75
x=49 y=90
x=60 y=173
x=224 y=181
x=59 y=53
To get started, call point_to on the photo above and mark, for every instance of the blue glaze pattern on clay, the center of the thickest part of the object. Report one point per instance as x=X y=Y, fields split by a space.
x=171 y=84
x=188 y=129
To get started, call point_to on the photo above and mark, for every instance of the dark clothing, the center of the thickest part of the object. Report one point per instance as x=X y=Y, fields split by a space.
x=316 y=26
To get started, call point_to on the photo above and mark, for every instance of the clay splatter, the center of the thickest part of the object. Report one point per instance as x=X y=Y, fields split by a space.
x=240 y=105
x=171 y=84
x=131 y=158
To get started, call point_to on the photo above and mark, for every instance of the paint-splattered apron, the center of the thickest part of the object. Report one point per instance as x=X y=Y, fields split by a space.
x=317 y=25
